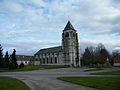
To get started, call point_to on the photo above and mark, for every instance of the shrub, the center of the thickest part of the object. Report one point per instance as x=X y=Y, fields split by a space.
x=12 y=66
x=21 y=65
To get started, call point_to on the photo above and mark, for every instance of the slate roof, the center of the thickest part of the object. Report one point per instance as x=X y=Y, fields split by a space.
x=69 y=26
x=50 y=50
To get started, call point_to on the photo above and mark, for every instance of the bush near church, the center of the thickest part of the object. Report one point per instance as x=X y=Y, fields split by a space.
x=21 y=65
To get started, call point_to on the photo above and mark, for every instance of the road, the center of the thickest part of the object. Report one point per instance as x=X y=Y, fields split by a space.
x=46 y=79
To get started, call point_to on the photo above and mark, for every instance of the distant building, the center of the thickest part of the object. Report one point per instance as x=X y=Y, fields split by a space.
x=67 y=54
x=116 y=61
x=27 y=60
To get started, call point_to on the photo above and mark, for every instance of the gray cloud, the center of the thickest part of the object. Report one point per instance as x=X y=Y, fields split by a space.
x=31 y=25
x=28 y=47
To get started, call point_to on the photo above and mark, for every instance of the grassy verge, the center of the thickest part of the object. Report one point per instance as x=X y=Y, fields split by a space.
x=90 y=66
x=29 y=68
x=94 y=69
x=107 y=73
x=102 y=83
x=7 y=83
x=4 y=70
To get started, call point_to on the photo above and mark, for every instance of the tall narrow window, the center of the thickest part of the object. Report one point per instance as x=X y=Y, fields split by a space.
x=51 y=60
x=43 y=60
x=55 y=60
x=66 y=34
x=47 y=60
x=40 y=60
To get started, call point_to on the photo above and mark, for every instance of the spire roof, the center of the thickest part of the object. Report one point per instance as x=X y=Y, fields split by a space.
x=69 y=26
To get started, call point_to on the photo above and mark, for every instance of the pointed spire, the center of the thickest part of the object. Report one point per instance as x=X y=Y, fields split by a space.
x=69 y=26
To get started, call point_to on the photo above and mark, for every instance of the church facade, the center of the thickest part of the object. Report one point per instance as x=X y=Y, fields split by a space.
x=67 y=54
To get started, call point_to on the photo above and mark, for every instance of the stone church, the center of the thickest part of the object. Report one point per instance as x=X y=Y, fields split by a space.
x=67 y=54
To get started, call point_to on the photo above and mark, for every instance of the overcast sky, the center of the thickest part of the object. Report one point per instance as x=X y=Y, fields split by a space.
x=29 y=25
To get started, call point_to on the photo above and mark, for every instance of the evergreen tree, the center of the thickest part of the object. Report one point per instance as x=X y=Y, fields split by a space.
x=98 y=53
x=1 y=57
x=13 y=61
x=92 y=55
x=103 y=56
x=6 y=60
x=88 y=57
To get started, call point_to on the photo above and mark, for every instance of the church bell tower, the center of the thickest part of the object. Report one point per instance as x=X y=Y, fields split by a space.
x=70 y=46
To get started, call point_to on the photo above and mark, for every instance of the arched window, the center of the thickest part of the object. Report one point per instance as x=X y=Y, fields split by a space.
x=51 y=60
x=62 y=34
x=43 y=60
x=26 y=62
x=66 y=34
x=55 y=60
x=47 y=60
x=40 y=60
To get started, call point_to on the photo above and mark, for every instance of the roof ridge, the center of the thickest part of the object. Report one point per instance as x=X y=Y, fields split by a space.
x=51 y=47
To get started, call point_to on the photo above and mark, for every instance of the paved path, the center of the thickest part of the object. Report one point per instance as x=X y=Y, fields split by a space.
x=46 y=79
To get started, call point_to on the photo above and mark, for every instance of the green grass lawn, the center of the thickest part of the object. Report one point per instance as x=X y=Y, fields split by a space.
x=94 y=69
x=29 y=68
x=102 y=83
x=90 y=66
x=7 y=83
x=107 y=73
